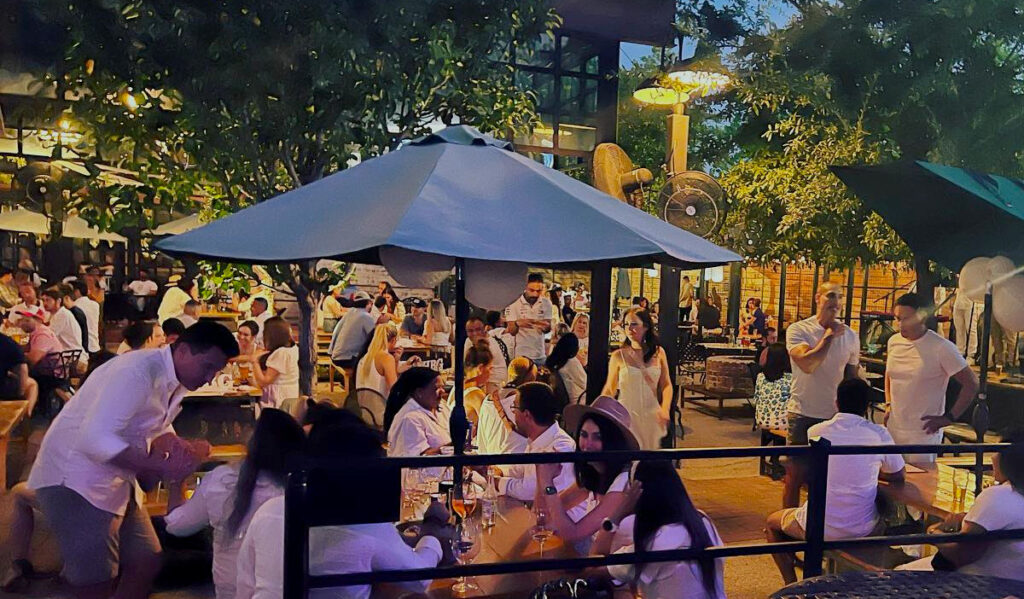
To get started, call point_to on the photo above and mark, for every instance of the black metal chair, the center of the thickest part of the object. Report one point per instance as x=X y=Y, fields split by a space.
x=371 y=406
x=692 y=363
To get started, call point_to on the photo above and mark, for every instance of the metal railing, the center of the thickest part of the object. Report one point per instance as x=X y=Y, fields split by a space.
x=298 y=581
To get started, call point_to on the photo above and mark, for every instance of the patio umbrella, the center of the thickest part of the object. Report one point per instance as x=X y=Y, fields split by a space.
x=176 y=227
x=22 y=220
x=947 y=214
x=456 y=193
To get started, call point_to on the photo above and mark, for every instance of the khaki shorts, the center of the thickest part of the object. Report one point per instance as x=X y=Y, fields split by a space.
x=791 y=526
x=94 y=543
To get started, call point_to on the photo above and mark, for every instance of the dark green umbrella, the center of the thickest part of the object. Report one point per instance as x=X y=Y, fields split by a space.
x=947 y=214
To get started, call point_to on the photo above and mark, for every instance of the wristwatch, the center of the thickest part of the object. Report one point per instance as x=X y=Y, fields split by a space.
x=550 y=490
x=609 y=526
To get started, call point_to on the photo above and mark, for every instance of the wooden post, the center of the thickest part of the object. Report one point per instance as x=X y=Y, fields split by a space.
x=782 y=297
x=600 y=319
x=735 y=290
x=864 y=289
x=668 y=332
x=848 y=317
x=814 y=289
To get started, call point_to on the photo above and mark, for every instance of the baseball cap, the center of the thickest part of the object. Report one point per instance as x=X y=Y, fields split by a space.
x=36 y=312
x=361 y=296
x=418 y=303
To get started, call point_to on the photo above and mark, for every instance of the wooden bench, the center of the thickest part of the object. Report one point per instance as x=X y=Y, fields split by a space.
x=963 y=433
x=869 y=559
x=11 y=414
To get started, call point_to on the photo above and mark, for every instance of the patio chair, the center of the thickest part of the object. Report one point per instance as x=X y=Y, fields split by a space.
x=371 y=406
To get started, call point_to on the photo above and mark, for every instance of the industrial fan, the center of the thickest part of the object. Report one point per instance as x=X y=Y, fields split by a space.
x=615 y=175
x=691 y=200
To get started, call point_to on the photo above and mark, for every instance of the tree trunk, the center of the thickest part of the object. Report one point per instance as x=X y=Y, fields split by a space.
x=307 y=297
x=926 y=286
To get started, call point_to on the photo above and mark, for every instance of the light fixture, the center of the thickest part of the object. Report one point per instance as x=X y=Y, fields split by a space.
x=681 y=82
x=652 y=93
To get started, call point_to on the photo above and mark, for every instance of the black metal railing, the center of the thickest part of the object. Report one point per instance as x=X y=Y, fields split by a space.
x=299 y=518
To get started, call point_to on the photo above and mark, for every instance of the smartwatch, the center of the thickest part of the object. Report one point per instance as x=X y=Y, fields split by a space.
x=609 y=526
x=550 y=490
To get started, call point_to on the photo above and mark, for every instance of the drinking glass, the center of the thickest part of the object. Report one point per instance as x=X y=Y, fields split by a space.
x=541 y=533
x=465 y=547
x=465 y=506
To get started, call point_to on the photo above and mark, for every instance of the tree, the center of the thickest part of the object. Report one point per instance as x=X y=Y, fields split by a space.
x=245 y=100
x=870 y=81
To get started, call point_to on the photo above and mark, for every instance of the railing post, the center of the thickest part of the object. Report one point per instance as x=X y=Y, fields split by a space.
x=817 y=489
x=296 y=537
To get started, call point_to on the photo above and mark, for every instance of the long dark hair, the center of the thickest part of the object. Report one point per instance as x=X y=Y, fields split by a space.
x=776 y=362
x=566 y=349
x=649 y=343
x=388 y=289
x=587 y=476
x=663 y=501
x=276 y=442
x=415 y=378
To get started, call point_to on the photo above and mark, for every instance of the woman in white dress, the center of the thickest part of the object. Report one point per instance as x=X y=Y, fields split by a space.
x=438 y=331
x=581 y=328
x=380 y=367
x=277 y=371
x=639 y=373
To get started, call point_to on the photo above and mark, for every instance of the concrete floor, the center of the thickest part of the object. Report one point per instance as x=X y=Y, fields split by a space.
x=729 y=490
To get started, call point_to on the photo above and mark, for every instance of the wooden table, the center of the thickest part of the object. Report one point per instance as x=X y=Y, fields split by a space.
x=723 y=349
x=920 y=489
x=707 y=395
x=11 y=414
x=156 y=501
x=509 y=540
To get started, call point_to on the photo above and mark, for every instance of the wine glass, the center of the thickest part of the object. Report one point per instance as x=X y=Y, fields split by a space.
x=465 y=505
x=465 y=547
x=541 y=533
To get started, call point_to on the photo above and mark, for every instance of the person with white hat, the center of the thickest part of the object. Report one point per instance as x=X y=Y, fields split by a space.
x=602 y=487
x=179 y=292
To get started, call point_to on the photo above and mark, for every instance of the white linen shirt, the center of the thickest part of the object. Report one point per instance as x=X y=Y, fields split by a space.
x=530 y=342
x=67 y=330
x=492 y=436
x=212 y=505
x=814 y=394
x=91 y=310
x=520 y=481
x=125 y=403
x=332 y=550
x=852 y=479
x=999 y=508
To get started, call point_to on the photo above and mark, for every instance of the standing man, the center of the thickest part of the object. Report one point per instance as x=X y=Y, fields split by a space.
x=260 y=313
x=92 y=313
x=685 y=299
x=477 y=330
x=116 y=431
x=965 y=321
x=918 y=367
x=142 y=288
x=529 y=319
x=823 y=352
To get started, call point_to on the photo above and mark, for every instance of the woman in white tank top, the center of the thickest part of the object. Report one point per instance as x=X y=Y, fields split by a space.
x=380 y=367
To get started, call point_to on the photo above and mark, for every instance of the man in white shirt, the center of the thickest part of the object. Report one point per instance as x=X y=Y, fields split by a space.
x=477 y=330
x=189 y=314
x=260 y=314
x=338 y=549
x=529 y=318
x=823 y=352
x=352 y=335
x=918 y=367
x=852 y=479
x=63 y=323
x=29 y=303
x=686 y=297
x=143 y=286
x=91 y=309
x=173 y=303
x=536 y=409
x=115 y=432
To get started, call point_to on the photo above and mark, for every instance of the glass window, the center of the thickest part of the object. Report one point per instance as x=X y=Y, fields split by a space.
x=579 y=96
x=579 y=56
x=542 y=136
x=541 y=54
x=542 y=84
x=577 y=137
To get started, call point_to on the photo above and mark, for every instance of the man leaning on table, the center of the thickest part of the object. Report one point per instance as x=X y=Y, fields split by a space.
x=118 y=431
x=823 y=352
x=918 y=367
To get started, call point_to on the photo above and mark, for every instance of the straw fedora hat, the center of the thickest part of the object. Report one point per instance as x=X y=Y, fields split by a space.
x=604 y=406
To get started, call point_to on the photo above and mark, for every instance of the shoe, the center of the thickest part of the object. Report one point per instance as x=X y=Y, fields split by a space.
x=16 y=578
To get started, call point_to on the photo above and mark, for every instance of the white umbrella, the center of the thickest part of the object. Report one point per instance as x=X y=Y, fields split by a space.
x=177 y=227
x=21 y=220
x=75 y=227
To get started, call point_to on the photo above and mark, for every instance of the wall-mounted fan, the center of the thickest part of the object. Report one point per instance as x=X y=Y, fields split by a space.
x=692 y=201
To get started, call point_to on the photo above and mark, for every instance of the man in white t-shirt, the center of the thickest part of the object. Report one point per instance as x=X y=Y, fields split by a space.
x=852 y=479
x=918 y=367
x=529 y=319
x=143 y=286
x=823 y=352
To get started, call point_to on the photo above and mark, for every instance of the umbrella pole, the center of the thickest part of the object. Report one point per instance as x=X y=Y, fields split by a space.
x=980 y=418
x=459 y=424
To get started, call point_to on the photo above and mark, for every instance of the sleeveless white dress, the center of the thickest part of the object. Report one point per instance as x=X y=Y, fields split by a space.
x=372 y=379
x=638 y=392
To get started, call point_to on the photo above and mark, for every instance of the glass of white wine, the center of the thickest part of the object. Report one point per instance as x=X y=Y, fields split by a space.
x=541 y=532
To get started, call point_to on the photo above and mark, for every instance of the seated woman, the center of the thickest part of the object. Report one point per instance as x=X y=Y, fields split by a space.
x=416 y=416
x=394 y=307
x=277 y=371
x=578 y=512
x=772 y=389
x=478 y=363
x=380 y=367
x=581 y=328
x=1000 y=507
x=230 y=494
x=141 y=335
x=247 y=345
x=563 y=364
x=497 y=421
x=664 y=519
x=438 y=331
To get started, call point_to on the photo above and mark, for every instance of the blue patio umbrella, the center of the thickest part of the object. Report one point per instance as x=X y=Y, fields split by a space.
x=457 y=193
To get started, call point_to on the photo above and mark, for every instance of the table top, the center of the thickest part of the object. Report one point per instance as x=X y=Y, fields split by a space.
x=11 y=413
x=905 y=585
x=729 y=347
x=920 y=489
x=244 y=391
